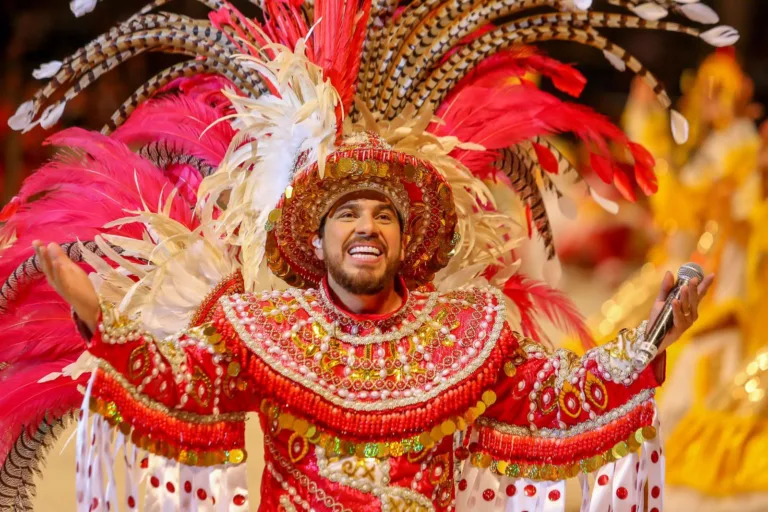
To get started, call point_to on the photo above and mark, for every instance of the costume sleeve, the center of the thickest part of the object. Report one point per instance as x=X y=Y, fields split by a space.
x=557 y=416
x=178 y=407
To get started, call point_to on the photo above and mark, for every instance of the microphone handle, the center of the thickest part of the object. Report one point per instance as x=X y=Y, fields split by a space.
x=648 y=349
x=665 y=321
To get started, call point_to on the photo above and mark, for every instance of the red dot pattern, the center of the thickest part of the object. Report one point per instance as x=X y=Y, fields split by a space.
x=602 y=480
x=554 y=495
x=622 y=493
x=530 y=490
x=655 y=457
x=511 y=490
x=187 y=486
x=489 y=495
x=154 y=481
x=655 y=492
x=463 y=485
x=201 y=494
x=131 y=502
x=171 y=488
x=239 y=500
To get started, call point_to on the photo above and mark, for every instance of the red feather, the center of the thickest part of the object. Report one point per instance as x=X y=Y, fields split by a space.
x=547 y=160
x=338 y=42
x=602 y=167
x=624 y=185
x=488 y=109
x=536 y=300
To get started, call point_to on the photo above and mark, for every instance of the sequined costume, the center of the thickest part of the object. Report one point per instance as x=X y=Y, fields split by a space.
x=214 y=304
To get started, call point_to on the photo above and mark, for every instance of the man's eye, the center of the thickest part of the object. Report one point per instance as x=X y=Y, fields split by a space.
x=385 y=217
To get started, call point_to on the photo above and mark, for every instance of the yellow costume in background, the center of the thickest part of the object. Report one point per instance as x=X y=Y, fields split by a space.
x=711 y=208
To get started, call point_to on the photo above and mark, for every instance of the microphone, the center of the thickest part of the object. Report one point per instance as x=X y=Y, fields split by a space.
x=647 y=349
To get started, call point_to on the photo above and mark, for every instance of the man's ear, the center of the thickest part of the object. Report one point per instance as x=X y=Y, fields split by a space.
x=317 y=244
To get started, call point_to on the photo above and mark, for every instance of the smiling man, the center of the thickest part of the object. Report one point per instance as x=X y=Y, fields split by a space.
x=362 y=245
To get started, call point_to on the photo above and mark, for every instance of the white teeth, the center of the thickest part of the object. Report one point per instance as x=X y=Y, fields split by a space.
x=365 y=250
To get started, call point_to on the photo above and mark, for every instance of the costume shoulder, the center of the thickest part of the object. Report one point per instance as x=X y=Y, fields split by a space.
x=560 y=415
x=349 y=373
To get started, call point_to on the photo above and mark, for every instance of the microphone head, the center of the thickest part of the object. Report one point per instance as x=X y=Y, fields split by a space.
x=690 y=271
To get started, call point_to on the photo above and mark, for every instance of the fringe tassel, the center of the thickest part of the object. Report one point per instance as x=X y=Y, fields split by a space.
x=170 y=487
x=619 y=486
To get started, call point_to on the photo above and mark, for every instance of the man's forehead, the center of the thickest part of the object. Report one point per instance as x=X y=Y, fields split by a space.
x=361 y=196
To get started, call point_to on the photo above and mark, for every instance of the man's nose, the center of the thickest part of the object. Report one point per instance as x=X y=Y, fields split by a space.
x=366 y=225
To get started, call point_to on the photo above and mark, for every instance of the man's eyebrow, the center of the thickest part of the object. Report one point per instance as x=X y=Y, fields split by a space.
x=349 y=205
x=385 y=206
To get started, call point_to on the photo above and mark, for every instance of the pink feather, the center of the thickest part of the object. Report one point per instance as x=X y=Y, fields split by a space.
x=184 y=123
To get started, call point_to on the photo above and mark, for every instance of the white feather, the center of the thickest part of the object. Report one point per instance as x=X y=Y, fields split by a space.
x=274 y=130
x=607 y=205
x=649 y=11
x=47 y=70
x=615 y=61
x=720 y=36
x=680 y=127
x=82 y=7
x=700 y=13
x=52 y=114
x=23 y=117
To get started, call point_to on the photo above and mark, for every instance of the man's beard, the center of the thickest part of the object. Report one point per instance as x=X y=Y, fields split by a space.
x=362 y=283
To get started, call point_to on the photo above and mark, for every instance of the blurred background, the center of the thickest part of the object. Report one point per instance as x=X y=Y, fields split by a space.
x=711 y=209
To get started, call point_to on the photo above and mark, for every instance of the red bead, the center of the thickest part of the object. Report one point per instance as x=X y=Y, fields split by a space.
x=634 y=508
x=656 y=492
x=145 y=462
x=530 y=490
x=654 y=509
x=655 y=457
x=554 y=495
x=622 y=493
x=170 y=487
x=602 y=480
x=154 y=481
x=239 y=500
x=488 y=495
x=463 y=485
x=131 y=502
x=201 y=494
x=188 y=486
x=511 y=490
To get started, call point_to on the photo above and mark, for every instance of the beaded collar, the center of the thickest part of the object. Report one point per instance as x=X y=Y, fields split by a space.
x=443 y=340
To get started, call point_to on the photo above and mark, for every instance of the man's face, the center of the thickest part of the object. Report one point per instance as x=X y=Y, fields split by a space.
x=361 y=243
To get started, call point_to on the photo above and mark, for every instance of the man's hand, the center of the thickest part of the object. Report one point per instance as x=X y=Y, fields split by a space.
x=685 y=311
x=70 y=281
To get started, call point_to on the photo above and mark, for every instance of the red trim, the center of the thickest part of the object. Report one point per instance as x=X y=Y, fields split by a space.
x=559 y=451
x=163 y=428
